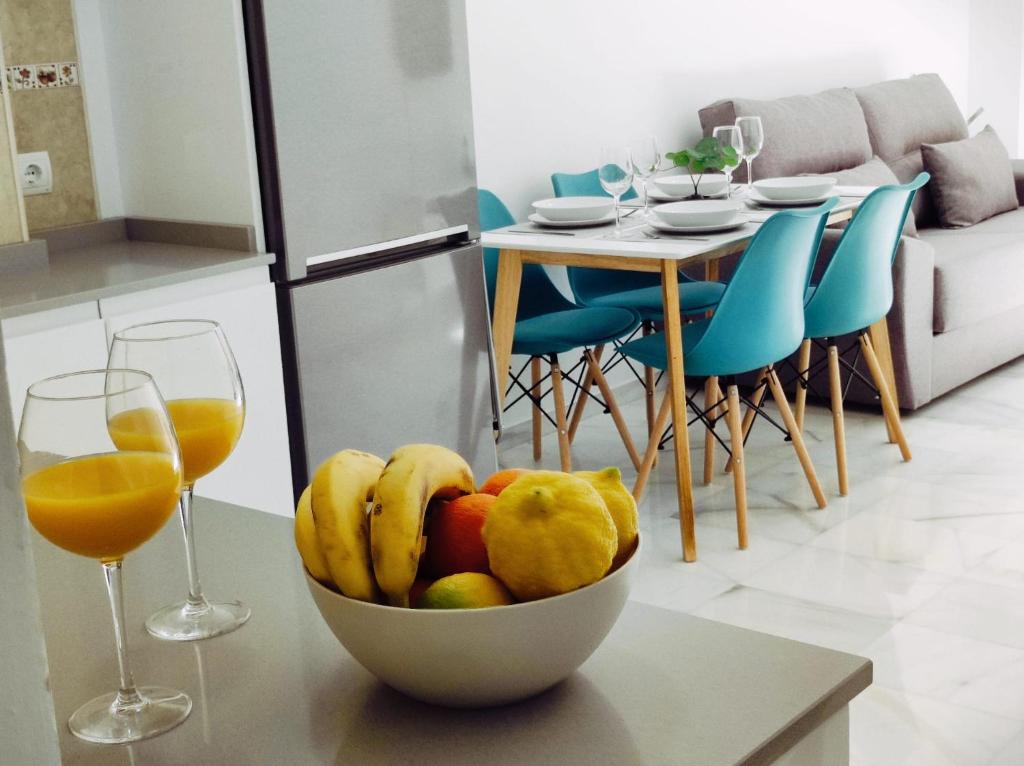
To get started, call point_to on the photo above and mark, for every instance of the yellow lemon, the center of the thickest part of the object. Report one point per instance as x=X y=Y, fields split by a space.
x=466 y=590
x=549 y=533
x=308 y=543
x=621 y=506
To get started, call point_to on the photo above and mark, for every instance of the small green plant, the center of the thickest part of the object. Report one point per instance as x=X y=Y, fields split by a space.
x=708 y=154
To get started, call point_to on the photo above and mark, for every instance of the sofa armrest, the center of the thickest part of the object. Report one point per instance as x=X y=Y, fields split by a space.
x=911 y=321
x=1018 y=179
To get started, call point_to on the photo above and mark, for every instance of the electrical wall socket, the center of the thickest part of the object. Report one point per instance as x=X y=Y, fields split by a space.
x=36 y=173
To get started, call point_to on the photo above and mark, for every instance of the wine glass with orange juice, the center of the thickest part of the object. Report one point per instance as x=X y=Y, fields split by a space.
x=90 y=495
x=192 y=364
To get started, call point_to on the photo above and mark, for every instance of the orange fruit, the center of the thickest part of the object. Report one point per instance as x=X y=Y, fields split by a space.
x=496 y=483
x=454 y=540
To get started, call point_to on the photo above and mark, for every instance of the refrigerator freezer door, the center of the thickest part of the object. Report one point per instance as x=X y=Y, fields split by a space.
x=394 y=356
x=372 y=121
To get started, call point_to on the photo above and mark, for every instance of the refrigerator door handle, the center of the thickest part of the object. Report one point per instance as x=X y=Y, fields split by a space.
x=394 y=244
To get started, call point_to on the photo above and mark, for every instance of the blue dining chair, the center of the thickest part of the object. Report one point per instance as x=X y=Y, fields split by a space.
x=758 y=321
x=635 y=290
x=855 y=292
x=549 y=324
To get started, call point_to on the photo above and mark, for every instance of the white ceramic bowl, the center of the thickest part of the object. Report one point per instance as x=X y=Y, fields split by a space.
x=478 y=657
x=795 y=187
x=574 y=208
x=682 y=185
x=699 y=212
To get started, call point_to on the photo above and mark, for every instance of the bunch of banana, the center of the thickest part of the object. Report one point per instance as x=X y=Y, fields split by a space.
x=364 y=554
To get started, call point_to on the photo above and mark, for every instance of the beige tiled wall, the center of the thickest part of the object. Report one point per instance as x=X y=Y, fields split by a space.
x=50 y=119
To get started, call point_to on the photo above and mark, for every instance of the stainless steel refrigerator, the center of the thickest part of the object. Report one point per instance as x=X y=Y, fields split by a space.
x=364 y=136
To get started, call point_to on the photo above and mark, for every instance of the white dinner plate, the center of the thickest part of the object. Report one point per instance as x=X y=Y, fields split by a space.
x=760 y=199
x=658 y=196
x=735 y=223
x=540 y=220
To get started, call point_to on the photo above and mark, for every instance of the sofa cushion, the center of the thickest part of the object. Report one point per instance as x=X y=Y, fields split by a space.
x=978 y=275
x=874 y=172
x=903 y=114
x=972 y=179
x=802 y=134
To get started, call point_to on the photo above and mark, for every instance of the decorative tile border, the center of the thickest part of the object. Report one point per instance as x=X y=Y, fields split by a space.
x=63 y=74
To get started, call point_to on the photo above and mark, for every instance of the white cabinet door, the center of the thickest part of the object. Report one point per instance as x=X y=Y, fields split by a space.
x=258 y=473
x=50 y=343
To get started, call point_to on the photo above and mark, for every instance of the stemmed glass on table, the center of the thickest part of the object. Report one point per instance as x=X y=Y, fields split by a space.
x=91 y=492
x=729 y=135
x=192 y=364
x=615 y=172
x=646 y=162
x=752 y=136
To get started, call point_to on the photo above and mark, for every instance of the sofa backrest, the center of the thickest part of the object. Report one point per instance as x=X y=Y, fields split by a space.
x=822 y=133
x=903 y=114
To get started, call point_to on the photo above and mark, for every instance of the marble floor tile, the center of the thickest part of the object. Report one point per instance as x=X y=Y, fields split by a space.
x=902 y=541
x=942 y=666
x=1004 y=567
x=863 y=585
x=975 y=609
x=795 y=618
x=893 y=728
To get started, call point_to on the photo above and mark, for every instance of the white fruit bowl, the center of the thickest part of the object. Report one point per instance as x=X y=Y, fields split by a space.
x=794 y=187
x=682 y=185
x=698 y=212
x=574 y=208
x=478 y=657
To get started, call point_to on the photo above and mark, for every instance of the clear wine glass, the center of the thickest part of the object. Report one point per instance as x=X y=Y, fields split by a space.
x=615 y=172
x=729 y=135
x=89 y=494
x=752 y=133
x=192 y=363
x=646 y=162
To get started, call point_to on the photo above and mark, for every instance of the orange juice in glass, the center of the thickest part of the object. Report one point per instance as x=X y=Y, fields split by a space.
x=91 y=496
x=192 y=364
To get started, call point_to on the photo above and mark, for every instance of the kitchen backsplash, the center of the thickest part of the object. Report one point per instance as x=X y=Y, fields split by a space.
x=47 y=103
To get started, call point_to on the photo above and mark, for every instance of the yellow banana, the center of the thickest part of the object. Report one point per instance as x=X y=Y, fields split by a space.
x=307 y=542
x=414 y=474
x=341 y=488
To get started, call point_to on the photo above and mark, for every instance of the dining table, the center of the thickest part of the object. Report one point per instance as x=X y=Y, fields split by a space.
x=641 y=248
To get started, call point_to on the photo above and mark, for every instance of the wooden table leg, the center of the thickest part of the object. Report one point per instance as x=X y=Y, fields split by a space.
x=506 y=303
x=677 y=395
x=879 y=334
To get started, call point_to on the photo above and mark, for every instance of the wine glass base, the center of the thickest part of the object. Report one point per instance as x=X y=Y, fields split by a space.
x=183 y=622
x=160 y=710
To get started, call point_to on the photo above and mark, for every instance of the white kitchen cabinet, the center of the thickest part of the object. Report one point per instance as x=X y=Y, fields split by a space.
x=50 y=343
x=258 y=473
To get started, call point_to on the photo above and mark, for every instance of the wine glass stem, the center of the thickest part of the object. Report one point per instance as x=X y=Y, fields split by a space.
x=195 y=602
x=750 y=174
x=618 y=221
x=643 y=188
x=127 y=695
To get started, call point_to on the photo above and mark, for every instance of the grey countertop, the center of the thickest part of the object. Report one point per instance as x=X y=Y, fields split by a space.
x=663 y=688
x=112 y=268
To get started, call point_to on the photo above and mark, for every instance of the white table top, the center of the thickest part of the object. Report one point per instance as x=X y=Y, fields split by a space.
x=597 y=240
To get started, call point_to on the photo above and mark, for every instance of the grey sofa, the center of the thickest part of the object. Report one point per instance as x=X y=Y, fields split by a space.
x=958 y=308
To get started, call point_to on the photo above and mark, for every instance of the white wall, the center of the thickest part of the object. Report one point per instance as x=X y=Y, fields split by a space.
x=996 y=69
x=174 y=104
x=554 y=79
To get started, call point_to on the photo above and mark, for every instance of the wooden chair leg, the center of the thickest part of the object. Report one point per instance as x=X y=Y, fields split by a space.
x=613 y=407
x=739 y=474
x=889 y=408
x=537 y=415
x=751 y=413
x=660 y=423
x=563 y=428
x=584 y=395
x=798 y=440
x=838 y=428
x=650 y=376
x=803 y=362
x=711 y=396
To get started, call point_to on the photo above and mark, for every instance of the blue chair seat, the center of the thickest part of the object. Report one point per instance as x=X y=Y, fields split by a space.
x=694 y=298
x=562 y=331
